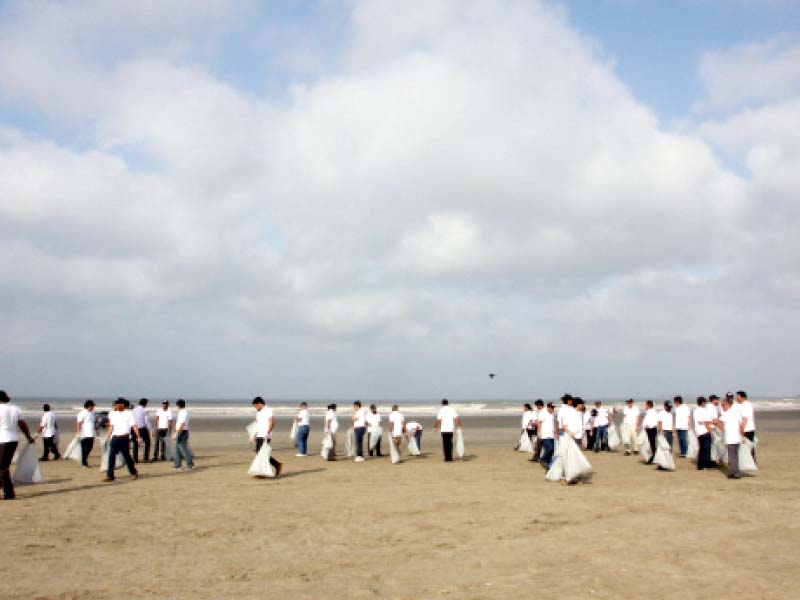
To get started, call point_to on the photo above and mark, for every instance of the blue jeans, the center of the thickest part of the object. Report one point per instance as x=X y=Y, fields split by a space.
x=418 y=437
x=683 y=444
x=601 y=438
x=548 y=449
x=359 y=431
x=302 y=439
x=182 y=450
x=668 y=437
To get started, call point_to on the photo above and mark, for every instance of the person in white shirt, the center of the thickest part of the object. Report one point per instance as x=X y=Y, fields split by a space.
x=415 y=429
x=86 y=423
x=529 y=421
x=703 y=428
x=589 y=430
x=140 y=418
x=359 y=429
x=48 y=428
x=375 y=429
x=265 y=423
x=747 y=412
x=666 y=422
x=546 y=432
x=713 y=408
x=163 y=430
x=120 y=424
x=565 y=415
x=730 y=421
x=650 y=425
x=576 y=422
x=331 y=426
x=601 y=423
x=181 y=437
x=10 y=420
x=303 y=427
x=538 y=413
x=682 y=418
x=630 y=420
x=397 y=426
x=447 y=420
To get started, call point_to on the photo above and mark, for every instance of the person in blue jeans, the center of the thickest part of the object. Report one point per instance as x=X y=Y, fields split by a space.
x=546 y=431
x=181 y=437
x=302 y=430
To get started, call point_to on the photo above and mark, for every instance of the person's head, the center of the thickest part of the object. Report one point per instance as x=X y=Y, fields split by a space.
x=714 y=399
x=741 y=396
x=258 y=402
x=629 y=402
x=88 y=405
x=648 y=404
x=551 y=407
x=395 y=407
x=678 y=400
x=667 y=406
x=373 y=408
x=726 y=404
x=331 y=406
x=445 y=402
x=527 y=406
x=181 y=403
x=729 y=396
x=357 y=404
x=4 y=397
x=46 y=408
x=304 y=405
x=119 y=404
x=566 y=399
x=701 y=401
x=580 y=407
x=598 y=404
x=143 y=402
x=578 y=402
x=165 y=405
x=539 y=404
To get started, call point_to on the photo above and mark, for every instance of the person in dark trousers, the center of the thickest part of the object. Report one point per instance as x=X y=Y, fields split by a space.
x=10 y=420
x=546 y=433
x=447 y=420
x=140 y=418
x=120 y=424
x=265 y=424
x=163 y=430
x=49 y=429
x=87 y=426
x=703 y=429
x=539 y=412
x=650 y=426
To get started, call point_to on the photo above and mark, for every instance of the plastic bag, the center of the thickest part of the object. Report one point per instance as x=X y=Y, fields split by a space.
x=613 y=437
x=260 y=466
x=644 y=446
x=459 y=443
x=556 y=470
x=327 y=446
x=718 y=450
x=28 y=470
x=394 y=451
x=350 y=443
x=746 y=461
x=626 y=434
x=105 y=447
x=693 y=447
x=169 y=448
x=663 y=457
x=293 y=434
x=73 y=450
x=576 y=466
x=375 y=437
x=413 y=449
x=524 y=443
x=252 y=429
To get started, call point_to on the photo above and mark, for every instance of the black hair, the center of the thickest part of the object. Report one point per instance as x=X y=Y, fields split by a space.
x=668 y=405
x=88 y=403
x=528 y=406
x=566 y=397
x=331 y=406
x=357 y=403
x=701 y=400
x=742 y=393
x=594 y=412
x=46 y=407
x=4 y=397
x=445 y=402
x=304 y=404
x=649 y=403
x=539 y=403
x=550 y=405
x=373 y=406
x=120 y=400
x=143 y=402
x=678 y=399
x=258 y=400
x=181 y=403
x=578 y=402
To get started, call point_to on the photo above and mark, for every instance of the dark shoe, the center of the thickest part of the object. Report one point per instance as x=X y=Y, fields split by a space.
x=134 y=477
x=278 y=469
x=734 y=476
x=43 y=459
x=107 y=479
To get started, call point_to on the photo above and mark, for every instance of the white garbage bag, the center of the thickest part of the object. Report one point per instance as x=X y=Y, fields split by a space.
x=746 y=462
x=663 y=457
x=413 y=449
x=524 y=443
x=293 y=434
x=28 y=470
x=169 y=448
x=375 y=437
x=576 y=466
x=394 y=452
x=260 y=466
x=105 y=448
x=693 y=447
x=556 y=470
x=252 y=429
x=718 y=450
x=626 y=434
x=327 y=446
x=350 y=443
x=613 y=437
x=73 y=450
x=459 y=443
x=644 y=446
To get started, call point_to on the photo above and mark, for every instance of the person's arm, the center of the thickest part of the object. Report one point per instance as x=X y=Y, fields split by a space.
x=458 y=422
x=436 y=424
x=136 y=431
x=660 y=427
x=271 y=427
x=24 y=427
x=79 y=425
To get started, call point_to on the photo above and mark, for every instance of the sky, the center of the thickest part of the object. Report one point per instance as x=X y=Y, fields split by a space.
x=384 y=199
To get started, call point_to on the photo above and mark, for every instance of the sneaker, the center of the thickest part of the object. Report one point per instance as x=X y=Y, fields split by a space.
x=359 y=459
x=303 y=455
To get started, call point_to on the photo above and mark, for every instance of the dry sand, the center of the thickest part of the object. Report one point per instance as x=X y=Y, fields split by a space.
x=487 y=527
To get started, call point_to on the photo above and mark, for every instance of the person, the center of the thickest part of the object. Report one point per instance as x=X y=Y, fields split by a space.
x=397 y=427
x=140 y=417
x=589 y=429
x=538 y=412
x=682 y=417
x=10 y=420
x=529 y=421
x=181 y=437
x=48 y=428
x=732 y=425
x=86 y=427
x=630 y=421
x=415 y=429
x=447 y=420
x=303 y=427
x=713 y=408
x=331 y=426
x=650 y=425
x=546 y=433
x=359 y=429
x=665 y=422
x=703 y=429
x=163 y=430
x=265 y=423
x=747 y=412
x=601 y=423
x=120 y=424
x=375 y=431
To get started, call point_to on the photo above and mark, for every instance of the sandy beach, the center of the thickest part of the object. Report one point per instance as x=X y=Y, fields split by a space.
x=486 y=527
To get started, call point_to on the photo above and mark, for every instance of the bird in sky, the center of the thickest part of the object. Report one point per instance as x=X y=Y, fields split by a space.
x=492 y=375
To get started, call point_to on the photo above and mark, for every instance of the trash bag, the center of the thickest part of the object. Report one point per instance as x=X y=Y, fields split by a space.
x=105 y=448
x=556 y=470
x=293 y=434
x=413 y=449
x=644 y=446
x=626 y=434
x=169 y=448
x=375 y=437
x=260 y=466
x=613 y=437
x=693 y=447
x=663 y=457
x=350 y=443
x=746 y=461
x=575 y=464
x=73 y=450
x=394 y=452
x=718 y=450
x=327 y=446
x=252 y=429
x=524 y=443
x=459 y=443
x=28 y=470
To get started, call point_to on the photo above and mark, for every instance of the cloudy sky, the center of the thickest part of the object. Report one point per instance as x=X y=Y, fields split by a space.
x=390 y=199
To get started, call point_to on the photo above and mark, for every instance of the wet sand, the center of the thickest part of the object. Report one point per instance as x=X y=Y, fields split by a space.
x=486 y=527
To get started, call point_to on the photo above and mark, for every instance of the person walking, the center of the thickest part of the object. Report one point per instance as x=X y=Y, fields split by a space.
x=10 y=421
x=120 y=425
x=748 y=415
x=630 y=421
x=397 y=427
x=375 y=430
x=539 y=411
x=265 y=423
x=181 y=437
x=303 y=427
x=140 y=418
x=48 y=428
x=447 y=420
x=732 y=425
x=546 y=433
x=529 y=421
x=666 y=423
x=331 y=427
x=86 y=427
x=703 y=428
x=163 y=430
x=650 y=426
x=682 y=418
x=359 y=429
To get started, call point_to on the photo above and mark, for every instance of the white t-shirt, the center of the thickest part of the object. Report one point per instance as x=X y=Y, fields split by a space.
x=396 y=423
x=682 y=415
x=9 y=418
x=548 y=425
x=302 y=417
x=360 y=417
x=374 y=421
x=563 y=415
x=334 y=421
x=447 y=416
x=575 y=424
x=163 y=418
x=588 y=421
x=262 y=423
x=412 y=427
x=529 y=419
x=746 y=411
x=666 y=419
x=700 y=416
x=713 y=411
x=121 y=422
x=601 y=420
x=630 y=415
x=48 y=424
x=732 y=421
x=86 y=420
x=140 y=417
x=183 y=419
x=650 y=419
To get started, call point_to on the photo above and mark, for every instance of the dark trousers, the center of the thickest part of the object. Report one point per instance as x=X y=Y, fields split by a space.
x=591 y=436
x=651 y=432
x=668 y=436
x=683 y=444
x=6 y=455
x=548 y=449
x=537 y=450
x=120 y=444
x=751 y=435
x=359 y=433
x=733 y=460
x=272 y=461
x=87 y=444
x=49 y=447
x=704 y=451
x=418 y=437
x=145 y=433
x=161 y=444
x=377 y=448
x=447 y=445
